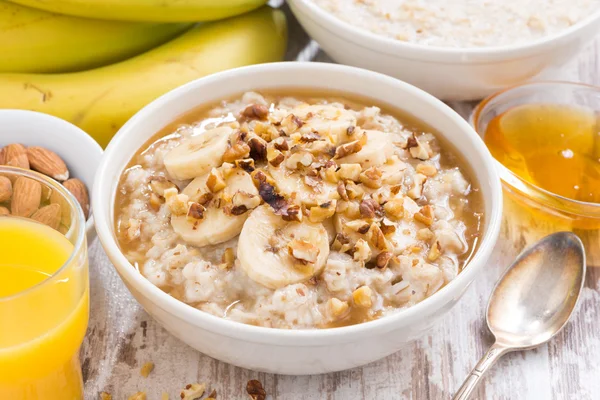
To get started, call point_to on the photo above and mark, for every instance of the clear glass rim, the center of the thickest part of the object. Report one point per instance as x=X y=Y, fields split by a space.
x=77 y=223
x=512 y=180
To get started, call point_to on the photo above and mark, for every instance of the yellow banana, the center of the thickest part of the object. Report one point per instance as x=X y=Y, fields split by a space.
x=38 y=41
x=147 y=10
x=100 y=100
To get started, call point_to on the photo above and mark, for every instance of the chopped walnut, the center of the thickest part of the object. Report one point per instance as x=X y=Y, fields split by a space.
x=146 y=369
x=425 y=215
x=425 y=234
x=329 y=174
x=349 y=172
x=348 y=148
x=383 y=259
x=193 y=391
x=394 y=208
x=155 y=202
x=418 y=150
x=372 y=178
x=337 y=308
x=303 y=251
x=212 y=395
x=291 y=124
x=301 y=158
x=255 y=389
x=417 y=189
x=258 y=148
x=195 y=211
x=245 y=199
x=247 y=164
x=369 y=208
x=274 y=156
x=256 y=111
x=236 y=151
x=428 y=170
x=341 y=243
x=362 y=251
x=353 y=209
x=435 y=252
x=354 y=191
x=215 y=181
x=137 y=396
x=358 y=225
x=362 y=297
x=387 y=227
x=341 y=190
x=281 y=144
x=376 y=237
x=292 y=213
x=323 y=211
x=159 y=184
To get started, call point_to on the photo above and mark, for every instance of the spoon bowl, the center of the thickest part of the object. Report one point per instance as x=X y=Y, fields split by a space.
x=532 y=301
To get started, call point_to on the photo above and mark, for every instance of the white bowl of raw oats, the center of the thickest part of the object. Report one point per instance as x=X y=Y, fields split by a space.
x=453 y=49
x=283 y=218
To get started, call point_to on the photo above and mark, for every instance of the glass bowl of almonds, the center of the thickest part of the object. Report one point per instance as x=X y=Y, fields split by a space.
x=53 y=147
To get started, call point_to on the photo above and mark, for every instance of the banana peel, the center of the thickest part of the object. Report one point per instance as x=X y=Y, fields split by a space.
x=41 y=42
x=101 y=100
x=147 y=10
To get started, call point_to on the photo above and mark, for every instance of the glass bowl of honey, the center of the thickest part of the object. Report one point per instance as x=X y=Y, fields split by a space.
x=545 y=137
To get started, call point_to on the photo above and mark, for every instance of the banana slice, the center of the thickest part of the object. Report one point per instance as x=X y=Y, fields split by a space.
x=197 y=155
x=292 y=184
x=276 y=253
x=218 y=225
x=378 y=149
x=328 y=120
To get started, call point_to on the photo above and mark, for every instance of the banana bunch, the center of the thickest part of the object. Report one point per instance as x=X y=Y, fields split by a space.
x=97 y=73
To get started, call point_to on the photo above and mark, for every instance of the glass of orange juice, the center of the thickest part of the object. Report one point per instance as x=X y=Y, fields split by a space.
x=44 y=288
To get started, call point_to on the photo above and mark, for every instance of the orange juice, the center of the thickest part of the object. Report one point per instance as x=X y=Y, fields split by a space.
x=43 y=313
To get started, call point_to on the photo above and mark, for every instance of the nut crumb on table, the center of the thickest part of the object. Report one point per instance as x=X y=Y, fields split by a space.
x=146 y=369
x=137 y=396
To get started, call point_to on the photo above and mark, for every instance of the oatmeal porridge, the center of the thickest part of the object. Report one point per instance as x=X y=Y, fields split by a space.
x=297 y=212
x=462 y=23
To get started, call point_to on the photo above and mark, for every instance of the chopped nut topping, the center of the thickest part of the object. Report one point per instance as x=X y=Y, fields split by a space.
x=137 y=396
x=323 y=211
x=245 y=199
x=383 y=259
x=369 y=208
x=288 y=211
x=155 y=201
x=256 y=111
x=347 y=149
x=417 y=149
x=428 y=170
x=350 y=130
x=177 y=203
x=228 y=258
x=425 y=215
x=349 y=172
x=337 y=308
x=341 y=243
x=354 y=191
x=291 y=124
x=196 y=211
x=274 y=156
x=362 y=297
x=193 y=391
x=303 y=158
x=329 y=174
x=281 y=144
x=394 y=208
x=312 y=181
x=292 y=213
x=425 y=234
x=212 y=395
x=387 y=227
x=435 y=252
x=246 y=164
x=341 y=189
x=353 y=210
x=303 y=251
x=372 y=178
x=105 y=396
x=255 y=389
x=258 y=148
x=362 y=251
x=159 y=184
x=236 y=151
x=376 y=237
x=146 y=369
x=215 y=181
x=358 y=225
x=417 y=189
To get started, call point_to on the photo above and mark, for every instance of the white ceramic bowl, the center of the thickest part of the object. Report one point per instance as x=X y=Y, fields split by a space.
x=447 y=73
x=78 y=150
x=293 y=351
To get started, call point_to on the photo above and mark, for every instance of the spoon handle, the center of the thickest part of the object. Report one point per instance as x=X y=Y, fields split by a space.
x=489 y=359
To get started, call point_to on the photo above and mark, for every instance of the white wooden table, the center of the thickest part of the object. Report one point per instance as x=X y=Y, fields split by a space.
x=122 y=337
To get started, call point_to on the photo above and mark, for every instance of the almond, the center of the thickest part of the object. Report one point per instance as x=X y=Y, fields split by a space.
x=4 y=211
x=47 y=162
x=26 y=197
x=15 y=155
x=78 y=189
x=5 y=189
x=48 y=215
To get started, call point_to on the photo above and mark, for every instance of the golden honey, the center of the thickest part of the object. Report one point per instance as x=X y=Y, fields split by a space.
x=552 y=146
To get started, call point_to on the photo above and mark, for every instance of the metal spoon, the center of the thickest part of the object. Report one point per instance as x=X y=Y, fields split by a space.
x=533 y=301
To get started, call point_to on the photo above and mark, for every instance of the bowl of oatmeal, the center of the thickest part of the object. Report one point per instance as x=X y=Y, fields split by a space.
x=284 y=218
x=455 y=50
